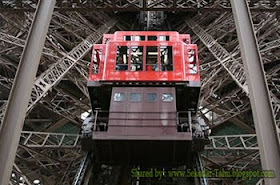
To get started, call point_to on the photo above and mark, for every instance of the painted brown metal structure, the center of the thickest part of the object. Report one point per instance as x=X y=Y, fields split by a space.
x=143 y=131
x=142 y=115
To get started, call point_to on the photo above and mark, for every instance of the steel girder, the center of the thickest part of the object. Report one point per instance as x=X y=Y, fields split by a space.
x=139 y=5
x=228 y=62
x=58 y=102
x=57 y=71
x=36 y=148
x=64 y=140
x=221 y=30
x=56 y=99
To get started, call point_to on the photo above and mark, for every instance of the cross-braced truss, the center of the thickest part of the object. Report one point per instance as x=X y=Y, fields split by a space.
x=59 y=94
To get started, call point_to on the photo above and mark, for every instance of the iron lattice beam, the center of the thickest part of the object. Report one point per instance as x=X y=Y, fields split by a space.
x=149 y=5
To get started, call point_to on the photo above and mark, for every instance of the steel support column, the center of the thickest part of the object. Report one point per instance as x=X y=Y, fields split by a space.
x=266 y=130
x=20 y=94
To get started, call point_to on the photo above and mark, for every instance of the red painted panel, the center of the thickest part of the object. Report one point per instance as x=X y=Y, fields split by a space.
x=180 y=73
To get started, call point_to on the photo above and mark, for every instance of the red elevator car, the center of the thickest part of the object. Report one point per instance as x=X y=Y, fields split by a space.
x=144 y=89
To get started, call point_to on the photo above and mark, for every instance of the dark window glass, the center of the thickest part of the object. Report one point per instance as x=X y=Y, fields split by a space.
x=186 y=41
x=152 y=38
x=96 y=61
x=151 y=97
x=192 y=61
x=136 y=58
x=163 y=38
x=119 y=97
x=152 y=58
x=135 y=97
x=139 y=38
x=127 y=38
x=167 y=97
x=122 y=58
x=166 y=58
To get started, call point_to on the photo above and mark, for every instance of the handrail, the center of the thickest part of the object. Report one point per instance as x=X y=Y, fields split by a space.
x=107 y=118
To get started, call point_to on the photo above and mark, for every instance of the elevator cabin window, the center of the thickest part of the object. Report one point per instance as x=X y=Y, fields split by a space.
x=152 y=38
x=136 y=63
x=192 y=61
x=139 y=38
x=166 y=58
x=122 y=58
x=127 y=38
x=151 y=97
x=163 y=38
x=135 y=97
x=119 y=96
x=132 y=57
x=152 y=58
x=167 y=97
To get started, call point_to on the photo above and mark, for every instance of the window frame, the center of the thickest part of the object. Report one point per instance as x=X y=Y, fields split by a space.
x=125 y=37
x=134 y=38
x=128 y=50
x=159 y=66
x=152 y=36
x=166 y=37
x=142 y=57
x=165 y=100
x=172 y=57
x=122 y=100
x=135 y=101
x=157 y=57
x=147 y=99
